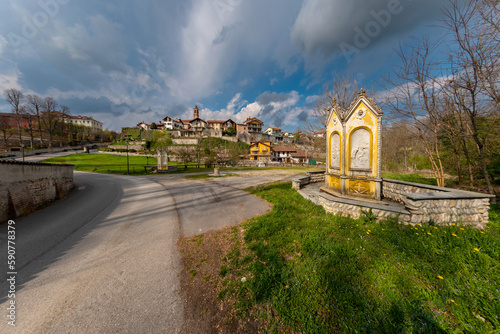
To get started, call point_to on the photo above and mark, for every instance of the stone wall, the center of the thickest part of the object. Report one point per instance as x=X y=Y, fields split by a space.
x=354 y=210
x=440 y=205
x=25 y=186
x=312 y=177
x=28 y=152
x=393 y=190
x=186 y=141
x=472 y=212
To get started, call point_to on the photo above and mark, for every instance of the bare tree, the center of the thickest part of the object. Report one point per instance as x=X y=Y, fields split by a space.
x=35 y=105
x=342 y=91
x=49 y=119
x=65 y=113
x=475 y=65
x=414 y=95
x=6 y=129
x=14 y=97
x=30 y=126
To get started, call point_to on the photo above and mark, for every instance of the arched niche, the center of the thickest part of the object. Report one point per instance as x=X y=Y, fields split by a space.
x=360 y=149
x=335 y=151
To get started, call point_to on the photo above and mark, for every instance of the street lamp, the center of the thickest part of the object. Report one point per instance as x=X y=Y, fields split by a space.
x=22 y=147
x=127 y=159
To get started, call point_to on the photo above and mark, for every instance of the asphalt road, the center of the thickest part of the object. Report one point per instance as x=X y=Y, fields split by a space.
x=104 y=259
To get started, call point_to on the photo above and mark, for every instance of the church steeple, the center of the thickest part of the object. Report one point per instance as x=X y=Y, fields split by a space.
x=196 y=112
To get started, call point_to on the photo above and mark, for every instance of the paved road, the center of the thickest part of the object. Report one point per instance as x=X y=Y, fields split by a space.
x=104 y=259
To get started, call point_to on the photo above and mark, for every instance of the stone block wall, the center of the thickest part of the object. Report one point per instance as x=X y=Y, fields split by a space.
x=441 y=205
x=355 y=210
x=312 y=177
x=393 y=190
x=25 y=186
x=316 y=176
x=473 y=212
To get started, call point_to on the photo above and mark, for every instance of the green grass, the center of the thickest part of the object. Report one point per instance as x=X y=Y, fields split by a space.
x=414 y=177
x=117 y=164
x=314 y=272
x=105 y=163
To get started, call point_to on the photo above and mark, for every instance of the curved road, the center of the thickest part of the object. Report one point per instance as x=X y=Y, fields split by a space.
x=104 y=259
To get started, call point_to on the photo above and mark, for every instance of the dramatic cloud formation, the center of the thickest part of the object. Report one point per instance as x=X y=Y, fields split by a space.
x=130 y=61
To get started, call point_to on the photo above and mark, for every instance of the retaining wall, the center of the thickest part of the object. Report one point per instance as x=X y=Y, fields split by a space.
x=441 y=205
x=25 y=186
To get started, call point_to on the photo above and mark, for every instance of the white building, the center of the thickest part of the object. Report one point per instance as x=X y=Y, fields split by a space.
x=173 y=123
x=83 y=120
x=273 y=131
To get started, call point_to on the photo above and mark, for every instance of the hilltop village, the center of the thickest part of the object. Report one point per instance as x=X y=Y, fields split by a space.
x=265 y=144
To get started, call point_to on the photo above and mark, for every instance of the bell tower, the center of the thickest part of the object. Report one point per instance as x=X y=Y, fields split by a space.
x=196 y=112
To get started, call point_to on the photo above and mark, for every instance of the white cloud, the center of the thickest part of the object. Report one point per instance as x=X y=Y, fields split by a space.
x=9 y=81
x=3 y=44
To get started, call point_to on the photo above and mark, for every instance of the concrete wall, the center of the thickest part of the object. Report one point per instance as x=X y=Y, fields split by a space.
x=25 y=186
x=27 y=153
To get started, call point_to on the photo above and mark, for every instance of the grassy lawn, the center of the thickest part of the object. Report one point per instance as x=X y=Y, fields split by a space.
x=299 y=269
x=105 y=163
x=414 y=177
x=117 y=164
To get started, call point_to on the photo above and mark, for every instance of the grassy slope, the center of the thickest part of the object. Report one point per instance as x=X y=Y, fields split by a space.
x=312 y=272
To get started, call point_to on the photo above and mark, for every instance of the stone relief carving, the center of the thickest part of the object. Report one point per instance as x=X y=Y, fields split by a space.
x=335 y=151
x=360 y=149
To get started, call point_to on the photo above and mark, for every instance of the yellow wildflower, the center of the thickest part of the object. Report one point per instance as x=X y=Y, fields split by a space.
x=482 y=232
x=451 y=300
x=440 y=277
x=453 y=234
x=453 y=225
x=476 y=249
x=429 y=233
x=462 y=229
x=435 y=228
x=416 y=233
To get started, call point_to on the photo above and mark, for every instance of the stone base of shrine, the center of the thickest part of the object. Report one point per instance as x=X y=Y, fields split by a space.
x=408 y=202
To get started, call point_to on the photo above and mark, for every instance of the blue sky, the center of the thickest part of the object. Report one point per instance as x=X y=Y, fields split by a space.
x=128 y=61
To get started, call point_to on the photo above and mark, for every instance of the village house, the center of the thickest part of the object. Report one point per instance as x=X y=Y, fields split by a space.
x=216 y=125
x=144 y=126
x=260 y=151
x=273 y=131
x=283 y=153
x=254 y=125
x=300 y=156
x=76 y=120
x=319 y=134
x=172 y=123
x=242 y=128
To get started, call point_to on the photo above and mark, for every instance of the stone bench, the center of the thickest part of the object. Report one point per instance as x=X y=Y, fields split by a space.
x=312 y=177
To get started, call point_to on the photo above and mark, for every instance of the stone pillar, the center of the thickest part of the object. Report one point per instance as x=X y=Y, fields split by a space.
x=216 y=171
